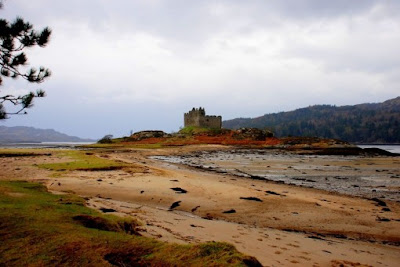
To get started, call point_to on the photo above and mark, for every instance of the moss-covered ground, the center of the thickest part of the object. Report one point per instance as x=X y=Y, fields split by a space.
x=42 y=229
x=13 y=152
x=84 y=161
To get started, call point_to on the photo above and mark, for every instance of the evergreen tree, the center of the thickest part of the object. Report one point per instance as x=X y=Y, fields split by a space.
x=15 y=37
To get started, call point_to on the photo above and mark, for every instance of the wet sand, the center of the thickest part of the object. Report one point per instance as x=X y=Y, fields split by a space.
x=280 y=224
x=377 y=177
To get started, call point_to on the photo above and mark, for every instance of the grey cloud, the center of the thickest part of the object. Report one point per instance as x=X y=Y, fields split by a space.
x=309 y=9
x=191 y=21
x=316 y=9
x=157 y=59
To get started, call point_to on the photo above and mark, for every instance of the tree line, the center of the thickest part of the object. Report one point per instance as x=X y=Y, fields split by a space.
x=365 y=123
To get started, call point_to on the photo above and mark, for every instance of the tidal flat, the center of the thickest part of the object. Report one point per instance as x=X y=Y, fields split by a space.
x=364 y=176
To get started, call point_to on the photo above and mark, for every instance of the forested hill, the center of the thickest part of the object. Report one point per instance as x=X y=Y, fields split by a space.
x=24 y=134
x=364 y=123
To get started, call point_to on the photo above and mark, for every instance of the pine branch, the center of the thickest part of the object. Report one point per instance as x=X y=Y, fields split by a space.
x=14 y=38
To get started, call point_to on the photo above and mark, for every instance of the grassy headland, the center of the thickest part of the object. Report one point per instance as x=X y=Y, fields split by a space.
x=242 y=138
x=245 y=137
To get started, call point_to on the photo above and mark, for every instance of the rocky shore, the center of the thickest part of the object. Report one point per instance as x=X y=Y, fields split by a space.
x=353 y=172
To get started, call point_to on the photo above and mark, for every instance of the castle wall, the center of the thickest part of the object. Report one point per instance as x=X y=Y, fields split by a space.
x=211 y=122
x=192 y=120
x=197 y=117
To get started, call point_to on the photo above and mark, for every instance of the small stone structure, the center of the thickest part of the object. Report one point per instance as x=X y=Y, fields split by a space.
x=197 y=117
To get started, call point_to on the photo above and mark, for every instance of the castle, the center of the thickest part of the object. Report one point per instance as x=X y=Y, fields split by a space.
x=197 y=117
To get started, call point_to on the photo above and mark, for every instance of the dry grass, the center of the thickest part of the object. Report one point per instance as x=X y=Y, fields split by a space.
x=40 y=229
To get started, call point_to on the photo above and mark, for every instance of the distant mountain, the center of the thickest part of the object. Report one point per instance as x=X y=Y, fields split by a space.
x=364 y=123
x=22 y=134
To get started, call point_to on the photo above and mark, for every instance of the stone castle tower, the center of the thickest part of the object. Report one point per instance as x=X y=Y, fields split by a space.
x=197 y=117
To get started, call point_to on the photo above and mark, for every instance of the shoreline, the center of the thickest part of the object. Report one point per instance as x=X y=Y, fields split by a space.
x=44 y=145
x=331 y=173
x=296 y=225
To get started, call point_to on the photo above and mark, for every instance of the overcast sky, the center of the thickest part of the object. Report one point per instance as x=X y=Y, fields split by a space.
x=134 y=65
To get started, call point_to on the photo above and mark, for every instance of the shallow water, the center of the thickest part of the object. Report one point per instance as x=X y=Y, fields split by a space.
x=44 y=145
x=353 y=175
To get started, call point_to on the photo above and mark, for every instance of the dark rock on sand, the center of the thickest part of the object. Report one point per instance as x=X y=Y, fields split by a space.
x=256 y=177
x=251 y=198
x=272 y=193
x=229 y=211
x=179 y=190
x=379 y=202
x=195 y=208
x=381 y=219
x=341 y=236
x=175 y=204
x=105 y=210
x=315 y=237
x=193 y=225
x=208 y=217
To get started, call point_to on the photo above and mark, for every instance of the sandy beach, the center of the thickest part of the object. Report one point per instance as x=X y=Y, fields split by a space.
x=279 y=224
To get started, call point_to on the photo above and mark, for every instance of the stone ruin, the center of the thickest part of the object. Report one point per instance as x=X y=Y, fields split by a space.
x=197 y=117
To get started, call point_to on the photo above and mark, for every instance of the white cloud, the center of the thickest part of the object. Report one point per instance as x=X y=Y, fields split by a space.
x=236 y=58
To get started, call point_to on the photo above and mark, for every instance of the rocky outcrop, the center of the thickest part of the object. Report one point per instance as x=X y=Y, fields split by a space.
x=252 y=134
x=147 y=134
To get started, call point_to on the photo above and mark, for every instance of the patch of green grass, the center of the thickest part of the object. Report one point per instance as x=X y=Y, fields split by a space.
x=40 y=229
x=189 y=130
x=193 y=130
x=147 y=146
x=125 y=144
x=112 y=145
x=17 y=152
x=82 y=160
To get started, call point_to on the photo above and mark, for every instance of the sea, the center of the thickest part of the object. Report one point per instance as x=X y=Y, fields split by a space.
x=390 y=148
x=44 y=145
